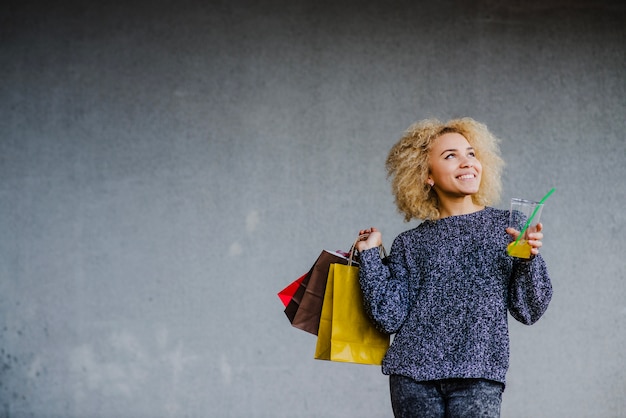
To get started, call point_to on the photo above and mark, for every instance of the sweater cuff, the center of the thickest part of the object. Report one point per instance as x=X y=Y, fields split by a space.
x=371 y=255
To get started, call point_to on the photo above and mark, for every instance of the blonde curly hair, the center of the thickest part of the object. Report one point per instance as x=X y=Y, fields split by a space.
x=407 y=165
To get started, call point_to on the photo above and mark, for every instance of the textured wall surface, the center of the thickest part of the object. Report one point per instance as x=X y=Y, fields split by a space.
x=166 y=167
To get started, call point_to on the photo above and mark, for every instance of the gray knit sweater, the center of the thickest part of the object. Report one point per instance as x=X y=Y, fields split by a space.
x=445 y=292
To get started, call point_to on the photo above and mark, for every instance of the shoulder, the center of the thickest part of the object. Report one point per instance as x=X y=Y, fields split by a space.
x=414 y=236
x=494 y=213
x=491 y=220
x=415 y=232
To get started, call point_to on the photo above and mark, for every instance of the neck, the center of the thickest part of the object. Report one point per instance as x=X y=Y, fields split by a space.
x=455 y=207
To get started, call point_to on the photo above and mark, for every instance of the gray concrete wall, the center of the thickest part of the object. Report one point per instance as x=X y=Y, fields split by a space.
x=167 y=167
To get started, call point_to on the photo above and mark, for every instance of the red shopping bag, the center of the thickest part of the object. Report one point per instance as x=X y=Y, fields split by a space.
x=287 y=293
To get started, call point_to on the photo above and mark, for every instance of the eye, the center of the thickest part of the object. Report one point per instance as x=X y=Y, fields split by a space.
x=472 y=154
x=449 y=156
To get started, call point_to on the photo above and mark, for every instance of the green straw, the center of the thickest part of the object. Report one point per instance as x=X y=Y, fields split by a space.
x=530 y=219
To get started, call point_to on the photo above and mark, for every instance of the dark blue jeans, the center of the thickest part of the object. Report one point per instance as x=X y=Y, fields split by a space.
x=458 y=398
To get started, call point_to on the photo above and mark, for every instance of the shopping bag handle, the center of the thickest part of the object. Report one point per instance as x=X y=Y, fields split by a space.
x=383 y=252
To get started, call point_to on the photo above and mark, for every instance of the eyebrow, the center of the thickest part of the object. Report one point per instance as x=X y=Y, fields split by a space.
x=454 y=149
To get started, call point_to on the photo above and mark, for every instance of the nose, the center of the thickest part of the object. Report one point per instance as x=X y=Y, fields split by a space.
x=467 y=162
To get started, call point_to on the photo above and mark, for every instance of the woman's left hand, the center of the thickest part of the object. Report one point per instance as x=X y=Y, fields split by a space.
x=533 y=235
x=369 y=238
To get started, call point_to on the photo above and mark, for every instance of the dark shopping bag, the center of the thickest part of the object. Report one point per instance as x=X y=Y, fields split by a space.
x=305 y=307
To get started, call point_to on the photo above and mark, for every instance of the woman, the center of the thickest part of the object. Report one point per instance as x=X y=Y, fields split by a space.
x=447 y=284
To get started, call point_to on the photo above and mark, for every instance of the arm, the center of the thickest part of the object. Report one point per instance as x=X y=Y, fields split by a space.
x=385 y=288
x=530 y=290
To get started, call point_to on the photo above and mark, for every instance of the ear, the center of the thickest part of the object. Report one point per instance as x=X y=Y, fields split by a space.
x=430 y=182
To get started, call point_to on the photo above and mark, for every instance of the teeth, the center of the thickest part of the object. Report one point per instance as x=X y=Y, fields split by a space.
x=466 y=176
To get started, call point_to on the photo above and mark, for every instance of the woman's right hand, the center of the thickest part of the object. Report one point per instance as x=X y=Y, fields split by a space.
x=369 y=238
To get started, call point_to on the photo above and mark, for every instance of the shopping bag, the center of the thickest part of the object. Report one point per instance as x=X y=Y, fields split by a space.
x=304 y=309
x=287 y=293
x=346 y=333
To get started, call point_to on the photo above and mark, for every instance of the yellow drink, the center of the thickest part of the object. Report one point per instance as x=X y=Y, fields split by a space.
x=519 y=250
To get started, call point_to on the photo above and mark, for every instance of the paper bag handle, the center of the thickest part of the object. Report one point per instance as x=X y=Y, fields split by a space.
x=383 y=253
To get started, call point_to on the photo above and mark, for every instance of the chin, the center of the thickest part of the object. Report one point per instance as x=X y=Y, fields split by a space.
x=471 y=192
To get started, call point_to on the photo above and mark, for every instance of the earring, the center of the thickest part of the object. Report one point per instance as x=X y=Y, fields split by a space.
x=431 y=183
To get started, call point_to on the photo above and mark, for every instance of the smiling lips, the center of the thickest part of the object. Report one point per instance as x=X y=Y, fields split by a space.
x=467 y=177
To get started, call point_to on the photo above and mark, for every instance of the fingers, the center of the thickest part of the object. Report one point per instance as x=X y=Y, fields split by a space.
x=369 y=238
x=533 y=234
x=364 y=233
x=534 y=238
x=534 y=246
x=512 y=232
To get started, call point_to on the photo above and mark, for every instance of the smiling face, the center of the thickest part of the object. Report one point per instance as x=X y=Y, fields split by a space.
x=455 y=171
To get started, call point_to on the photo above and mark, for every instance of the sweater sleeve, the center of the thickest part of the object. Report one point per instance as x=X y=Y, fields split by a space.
x=530 y=290
x=385 y=289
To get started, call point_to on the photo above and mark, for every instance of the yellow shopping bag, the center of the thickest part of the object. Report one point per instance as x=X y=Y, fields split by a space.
x=346 y=333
